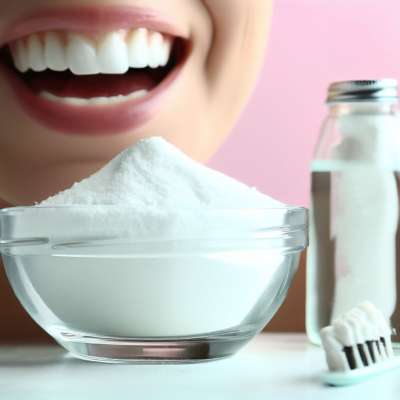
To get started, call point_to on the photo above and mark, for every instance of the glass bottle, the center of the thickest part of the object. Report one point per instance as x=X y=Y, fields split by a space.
x=354 y=252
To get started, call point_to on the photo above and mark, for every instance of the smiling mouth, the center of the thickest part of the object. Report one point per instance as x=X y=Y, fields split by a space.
x=92 y=82
x=79 y=69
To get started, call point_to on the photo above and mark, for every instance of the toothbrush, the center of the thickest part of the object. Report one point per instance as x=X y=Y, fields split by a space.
x=358 y=346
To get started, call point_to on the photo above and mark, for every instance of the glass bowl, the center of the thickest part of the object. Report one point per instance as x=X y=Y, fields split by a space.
x=109 y=285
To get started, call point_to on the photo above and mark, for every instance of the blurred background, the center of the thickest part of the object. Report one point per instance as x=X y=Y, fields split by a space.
x=312 y=43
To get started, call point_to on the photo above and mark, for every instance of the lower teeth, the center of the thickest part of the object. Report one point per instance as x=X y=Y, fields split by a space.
x=79 y=101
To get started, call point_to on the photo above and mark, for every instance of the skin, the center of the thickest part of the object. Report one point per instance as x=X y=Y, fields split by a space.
x=228 y=39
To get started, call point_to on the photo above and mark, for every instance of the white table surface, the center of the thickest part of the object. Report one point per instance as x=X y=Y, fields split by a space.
x=272 y=366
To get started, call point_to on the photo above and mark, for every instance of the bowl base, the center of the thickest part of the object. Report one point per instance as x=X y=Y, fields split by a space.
x=176 y=351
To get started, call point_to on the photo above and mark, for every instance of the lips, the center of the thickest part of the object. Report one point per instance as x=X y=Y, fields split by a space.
x=111 y=76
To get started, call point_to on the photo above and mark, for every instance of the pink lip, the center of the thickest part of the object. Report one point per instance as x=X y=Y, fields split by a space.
x=92 y=19
x=91 y=120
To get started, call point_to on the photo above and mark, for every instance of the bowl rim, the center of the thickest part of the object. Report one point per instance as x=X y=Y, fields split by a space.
x=264 y=224
x=288 y=208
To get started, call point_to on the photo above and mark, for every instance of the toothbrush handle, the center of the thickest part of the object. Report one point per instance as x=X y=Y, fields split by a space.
x=355 y=376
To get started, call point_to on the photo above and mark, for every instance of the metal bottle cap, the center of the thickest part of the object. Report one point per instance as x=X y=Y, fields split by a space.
x=364 y=90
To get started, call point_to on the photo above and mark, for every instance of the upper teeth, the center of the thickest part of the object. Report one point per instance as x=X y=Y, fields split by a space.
x=112 y=53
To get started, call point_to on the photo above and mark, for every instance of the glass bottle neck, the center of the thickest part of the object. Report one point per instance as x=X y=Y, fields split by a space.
x=363 y=108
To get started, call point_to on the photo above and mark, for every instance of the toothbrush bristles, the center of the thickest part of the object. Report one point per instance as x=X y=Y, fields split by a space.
x=358 y=339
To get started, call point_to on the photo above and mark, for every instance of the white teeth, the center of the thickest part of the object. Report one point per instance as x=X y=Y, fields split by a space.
x=156 y=42
x=78 y=101
x=138 y=48
x=35 y=53
x=112 y=54
x=20 y=56
x=54 y=53
x=159 y=50
x=81 y=55
x=165 y=52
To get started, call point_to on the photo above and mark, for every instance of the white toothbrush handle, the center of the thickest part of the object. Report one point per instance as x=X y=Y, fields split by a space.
x=358 y=375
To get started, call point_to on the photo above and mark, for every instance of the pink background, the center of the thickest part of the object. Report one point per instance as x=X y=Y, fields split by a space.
x=312 y=42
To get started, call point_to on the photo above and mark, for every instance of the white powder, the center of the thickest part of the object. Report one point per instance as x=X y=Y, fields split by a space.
x=154 y=174
x=365 y=213
x=163 y=192
x=153 y=288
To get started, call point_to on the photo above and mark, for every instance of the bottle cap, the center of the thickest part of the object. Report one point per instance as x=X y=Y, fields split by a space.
x=363 y=90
